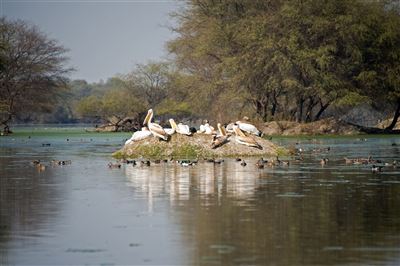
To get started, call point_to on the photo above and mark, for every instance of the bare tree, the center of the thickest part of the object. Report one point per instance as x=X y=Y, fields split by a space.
x=33 y=72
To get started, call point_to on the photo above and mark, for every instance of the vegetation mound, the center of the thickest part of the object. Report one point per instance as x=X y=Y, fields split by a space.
x=325 y=126
x=196 y=146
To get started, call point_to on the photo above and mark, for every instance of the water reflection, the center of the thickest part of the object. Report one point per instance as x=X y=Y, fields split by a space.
x=298 y=215
x=303 y=214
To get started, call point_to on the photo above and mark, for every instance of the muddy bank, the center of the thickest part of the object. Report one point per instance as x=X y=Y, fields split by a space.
x=325 y=126
x=196 y=146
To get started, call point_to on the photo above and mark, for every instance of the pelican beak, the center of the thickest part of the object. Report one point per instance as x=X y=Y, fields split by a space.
x=173 y=124
x=146 y=120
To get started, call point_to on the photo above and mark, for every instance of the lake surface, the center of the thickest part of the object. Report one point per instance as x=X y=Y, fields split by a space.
x=208 y=214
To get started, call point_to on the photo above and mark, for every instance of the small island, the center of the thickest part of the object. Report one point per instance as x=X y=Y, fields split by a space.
x=196 y=146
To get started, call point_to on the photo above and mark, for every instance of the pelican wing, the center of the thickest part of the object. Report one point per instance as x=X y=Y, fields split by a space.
x=248 y=141
x=169 y=131
x=158 y=131
x=183 y=129
x=248 y=128
x=139 y=135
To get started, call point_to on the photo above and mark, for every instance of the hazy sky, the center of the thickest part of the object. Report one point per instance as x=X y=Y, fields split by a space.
x=105 y=37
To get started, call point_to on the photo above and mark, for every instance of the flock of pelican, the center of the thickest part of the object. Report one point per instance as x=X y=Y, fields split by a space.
x=220 y=136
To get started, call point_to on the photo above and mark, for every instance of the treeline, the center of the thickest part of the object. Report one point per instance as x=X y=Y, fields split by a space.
x=290 y=59
x=267 y=59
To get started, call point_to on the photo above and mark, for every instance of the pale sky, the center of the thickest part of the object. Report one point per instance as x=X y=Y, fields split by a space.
x=105 y=37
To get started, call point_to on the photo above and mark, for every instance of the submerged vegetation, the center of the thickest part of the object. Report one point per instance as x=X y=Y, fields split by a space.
x=269 y=60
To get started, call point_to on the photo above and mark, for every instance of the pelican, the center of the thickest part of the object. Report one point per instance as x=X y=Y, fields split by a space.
x=248 y=128
x=206 y=128
x=154 y=128
x=241 y=138
x=139 y=135
x=220 y=139
x=170 y=131
x=229 y=127
x=180 y=128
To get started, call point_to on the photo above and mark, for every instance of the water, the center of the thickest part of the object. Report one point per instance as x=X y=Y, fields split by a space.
x=302 y=214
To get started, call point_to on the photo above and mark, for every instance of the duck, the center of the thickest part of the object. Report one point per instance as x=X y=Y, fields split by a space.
x=243 y=163
x=221 y=139
x=113 y=165
x=262 y=161
x=139 y=135
x=186 y=163
x=133 y=162
x=247 y=127
x=375 y=168
x=145 y=163
x=241 y=138
x=259 y=165
x=41 y=167
x=285 y=163
x=154 y=128
x=180 y=128
x=219 y=161
x=58 y=162
x=36 y=162
x=324 y=161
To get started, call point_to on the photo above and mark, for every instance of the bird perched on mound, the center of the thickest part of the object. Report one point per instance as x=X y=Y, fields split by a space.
x=241 y=138
x=249 y=128
x=221 y=139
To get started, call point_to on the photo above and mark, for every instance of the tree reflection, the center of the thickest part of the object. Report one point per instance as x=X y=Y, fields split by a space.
x=296 y=215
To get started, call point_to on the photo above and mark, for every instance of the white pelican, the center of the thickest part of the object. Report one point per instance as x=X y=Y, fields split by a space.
x=180 y=128
x=245 y=140
x=154 y=128
x=139 y=135
x=219 y=139
x=249 y=128
x=206 y=128
x=170 y=131
x=229 y=127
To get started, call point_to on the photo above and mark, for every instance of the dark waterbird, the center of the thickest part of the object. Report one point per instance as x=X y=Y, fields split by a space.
x=376 y=169
x=113 y=165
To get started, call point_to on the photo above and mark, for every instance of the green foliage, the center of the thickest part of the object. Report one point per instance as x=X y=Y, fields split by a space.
x=288 y=59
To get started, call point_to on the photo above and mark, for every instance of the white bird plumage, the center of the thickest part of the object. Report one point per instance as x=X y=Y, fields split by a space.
x=154 y=128
x=170 y=131
x=180 y=128
x=206 y=128
x=139 y=135
x=248 y=128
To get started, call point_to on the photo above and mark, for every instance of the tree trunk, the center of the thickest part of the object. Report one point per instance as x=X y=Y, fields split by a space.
x=6 y=127
x=310 y=107
x=322 y=109
x=300 y=105
x=274 y=106
x=261 y=108
x=395 y=117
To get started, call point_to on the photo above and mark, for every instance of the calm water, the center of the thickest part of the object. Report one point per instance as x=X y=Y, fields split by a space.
x=304 y=214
